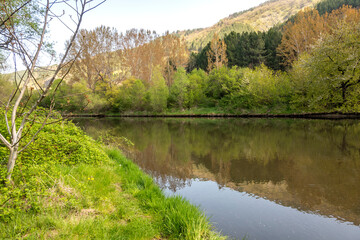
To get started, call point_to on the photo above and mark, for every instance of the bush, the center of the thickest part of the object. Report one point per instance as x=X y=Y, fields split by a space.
x=58 y=143
x=158 y=91
x=129 y=96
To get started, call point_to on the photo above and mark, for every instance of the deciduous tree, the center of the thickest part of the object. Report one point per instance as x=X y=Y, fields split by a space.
x=179 y=90
x=299 y=35
x=159 y=92
x=217 y=53
x=97 y=60
x=142 y=50
x=23 y=16
x=19 y=117
x=139 y=54
x=332 y=70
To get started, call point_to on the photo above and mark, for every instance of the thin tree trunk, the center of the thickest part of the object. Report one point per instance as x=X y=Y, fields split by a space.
x=30 y=62
x=11 y=162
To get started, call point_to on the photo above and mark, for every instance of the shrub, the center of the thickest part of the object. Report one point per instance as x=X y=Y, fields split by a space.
x=34 y=172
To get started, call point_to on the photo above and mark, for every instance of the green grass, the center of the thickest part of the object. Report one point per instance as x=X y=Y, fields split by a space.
x=198 y=111
x=176 y=217
x=279 y=109
x=112 y=200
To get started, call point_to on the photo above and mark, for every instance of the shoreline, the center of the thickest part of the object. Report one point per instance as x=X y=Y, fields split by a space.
x=330 y=115
x=69 y=186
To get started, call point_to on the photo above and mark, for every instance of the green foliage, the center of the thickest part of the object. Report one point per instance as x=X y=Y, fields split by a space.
x=223 y=82
x=158 y=91
x=178 y=218
x=96 y=103
x=198 y=81
x=266 y=87
x=59 y=197
x=68 y=98
x=6 y=87
x=199 y=60
x=272 y=39
x=302 y=84
x=260 y=18
x=58 y=143
x=246 y=49
x=179 y=91
x=26 y=21
x=327 y=6
x=78 y=98
x=328 y=78
x=129 y=96
x=244 y=88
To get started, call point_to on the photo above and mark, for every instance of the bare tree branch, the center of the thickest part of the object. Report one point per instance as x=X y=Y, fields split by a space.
x=14 y=12
x=94 y=6
x=18 y=117
x=37 y=132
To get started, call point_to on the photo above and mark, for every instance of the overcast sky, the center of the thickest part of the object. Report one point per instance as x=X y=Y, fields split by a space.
x=158 y=15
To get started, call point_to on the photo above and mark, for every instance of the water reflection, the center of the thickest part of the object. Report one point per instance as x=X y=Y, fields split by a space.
x=309 y=165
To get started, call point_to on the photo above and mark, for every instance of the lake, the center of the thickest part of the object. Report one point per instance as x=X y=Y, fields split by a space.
x=260 y=178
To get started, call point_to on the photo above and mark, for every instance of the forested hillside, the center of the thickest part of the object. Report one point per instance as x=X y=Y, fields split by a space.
x=260 y=18
x=308 y=63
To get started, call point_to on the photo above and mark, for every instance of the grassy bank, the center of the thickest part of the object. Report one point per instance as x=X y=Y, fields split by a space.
x=194 y=111
x=88 y=198
x=220 y=113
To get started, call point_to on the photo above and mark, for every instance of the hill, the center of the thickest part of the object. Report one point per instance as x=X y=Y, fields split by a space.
x=259 y=18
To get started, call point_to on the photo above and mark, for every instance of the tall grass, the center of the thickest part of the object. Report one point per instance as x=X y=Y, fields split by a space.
x=177 y=217
x=111 y=200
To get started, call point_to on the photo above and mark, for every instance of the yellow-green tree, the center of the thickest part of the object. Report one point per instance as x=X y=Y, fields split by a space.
x=158 y=91
x=179 y=89
x=332 y=80
x=129 y=96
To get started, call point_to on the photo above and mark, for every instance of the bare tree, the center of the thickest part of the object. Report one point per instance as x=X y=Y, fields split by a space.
x=17 y=114
x=142 y=50
x=97 y=60
x=138 y=53
x=176 y=54
x=217 y=54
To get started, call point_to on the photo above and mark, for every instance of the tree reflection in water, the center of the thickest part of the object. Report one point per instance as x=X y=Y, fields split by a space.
x=312 y=165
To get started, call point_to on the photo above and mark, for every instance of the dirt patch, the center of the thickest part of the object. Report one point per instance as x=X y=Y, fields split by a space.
x=82 y=215
x=52 y=234
x=118 y=187
x=87 y=212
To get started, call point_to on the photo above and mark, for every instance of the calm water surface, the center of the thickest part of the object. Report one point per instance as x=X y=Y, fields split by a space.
x=263 y=178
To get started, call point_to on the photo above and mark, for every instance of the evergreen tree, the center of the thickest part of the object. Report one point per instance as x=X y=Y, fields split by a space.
x=199 y=60
x=256 y=49
x=245 y=49
x=272 y=39
x=327 y=6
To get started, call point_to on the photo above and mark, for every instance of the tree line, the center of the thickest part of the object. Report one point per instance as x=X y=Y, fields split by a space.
x=308 y=63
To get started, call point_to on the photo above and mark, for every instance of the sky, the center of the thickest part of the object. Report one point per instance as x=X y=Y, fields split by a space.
x=158 y=15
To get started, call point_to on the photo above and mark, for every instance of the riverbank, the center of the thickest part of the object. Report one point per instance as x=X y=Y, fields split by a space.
x=68 y=192
x=323 y=115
